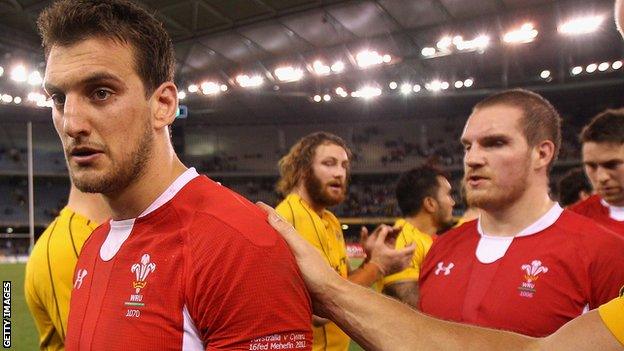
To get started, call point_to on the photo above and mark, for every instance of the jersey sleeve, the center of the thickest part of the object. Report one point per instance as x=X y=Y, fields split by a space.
x=412 y=272
x=606 y=267
x=612 y=314
x=244 y=290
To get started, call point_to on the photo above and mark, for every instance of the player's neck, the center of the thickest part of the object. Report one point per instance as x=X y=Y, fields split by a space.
x=303 y=193
x=510 y=220
x=423 y=222
x=91 y=206
x=160 y=171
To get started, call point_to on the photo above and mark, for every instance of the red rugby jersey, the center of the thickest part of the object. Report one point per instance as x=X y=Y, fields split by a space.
x=598 y=210
x=531 y=284
x=201 y=271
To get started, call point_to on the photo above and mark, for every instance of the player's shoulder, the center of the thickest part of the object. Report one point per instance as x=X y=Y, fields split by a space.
x=455 y=237
x=578 y=227
x=586 y=206
x=208 y=208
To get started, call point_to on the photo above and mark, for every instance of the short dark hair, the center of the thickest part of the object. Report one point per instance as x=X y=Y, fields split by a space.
x=571 y=184
x=67 y=22
x=540 y=121
x=414 y=186
x=295 y=165
x=606 y=127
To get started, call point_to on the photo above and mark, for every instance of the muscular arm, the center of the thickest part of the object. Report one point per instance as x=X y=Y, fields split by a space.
x=380 y=323
x=406 y=292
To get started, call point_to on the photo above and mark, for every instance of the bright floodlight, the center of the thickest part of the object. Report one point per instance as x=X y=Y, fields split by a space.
x=224 y=87
x=525 y=34
x=6 y=98
x=545 y=74
x=591 y=68
x=577 y=70
x=326 y=97
x=288 y=74
x=246 y=81
x=444 y=85
x=386 y=58
x=34 y=78
x=181 y=95
x=320 y=68
x=18 y=73
x=416 y=88
x=338 y=66
x=459 y=84
x=616 y=65
x=193 y=88
x=317 y=98
x=428 y=51
x=444 y=43
x=366 y=92
x=479 y=43
x=435 y=85
x=210 y=88
x=1 y=71
x=368 y=58
x=581 y=25
x=603 y=66
x=393 y=85
x=468 y=82
x=406 y=88
x=17 y=100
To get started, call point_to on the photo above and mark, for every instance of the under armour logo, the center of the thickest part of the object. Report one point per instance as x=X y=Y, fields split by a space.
x=446 y=270
x=79 y=277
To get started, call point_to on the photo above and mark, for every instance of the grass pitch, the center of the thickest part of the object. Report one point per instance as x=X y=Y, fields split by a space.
x=23 y=330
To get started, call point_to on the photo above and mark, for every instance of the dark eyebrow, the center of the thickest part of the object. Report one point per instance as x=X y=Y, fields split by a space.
x=493 y=138
x=96 y=77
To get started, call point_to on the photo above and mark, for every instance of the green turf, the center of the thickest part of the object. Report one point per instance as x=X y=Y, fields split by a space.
x=355 y=347
x=23 y=331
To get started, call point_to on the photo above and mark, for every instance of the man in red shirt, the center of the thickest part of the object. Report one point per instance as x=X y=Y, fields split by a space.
x=603 y=157
x=184 y=264
x=526 y=264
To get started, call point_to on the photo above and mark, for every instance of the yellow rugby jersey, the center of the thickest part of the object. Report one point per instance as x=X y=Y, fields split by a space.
x=408 y=235
x=324 y=233
x=612 y=314
x=49 y=275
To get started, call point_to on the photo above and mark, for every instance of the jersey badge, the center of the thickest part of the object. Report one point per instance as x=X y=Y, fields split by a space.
x=80 y=275
x=445 y=270
x=531 y=274
x=141 y=271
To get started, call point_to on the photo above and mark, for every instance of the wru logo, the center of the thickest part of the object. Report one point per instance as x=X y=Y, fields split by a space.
x=142 y=270
x=533 y=270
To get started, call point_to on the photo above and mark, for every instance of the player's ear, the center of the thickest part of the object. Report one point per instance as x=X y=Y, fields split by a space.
x=544 y=153
x=164 y=104
x=430 y=204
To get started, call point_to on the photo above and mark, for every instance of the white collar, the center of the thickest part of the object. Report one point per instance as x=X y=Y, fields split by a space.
x=615 y=212
x=548 y=219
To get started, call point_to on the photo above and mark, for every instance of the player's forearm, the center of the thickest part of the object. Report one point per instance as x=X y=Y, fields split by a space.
x=380 y=323
x=366 y=275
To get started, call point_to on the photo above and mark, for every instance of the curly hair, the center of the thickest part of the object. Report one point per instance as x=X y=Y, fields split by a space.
x=297 y=164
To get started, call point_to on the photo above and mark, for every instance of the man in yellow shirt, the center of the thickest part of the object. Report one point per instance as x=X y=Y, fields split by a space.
x=50 y=268
x=424 y=197
x=314 y=176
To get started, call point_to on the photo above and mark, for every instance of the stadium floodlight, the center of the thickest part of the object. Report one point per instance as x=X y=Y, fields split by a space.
x=34 y=78
x=18 y=73
x=181 y=95
x=444 y=43
x=435 y=85
x=576 y=70
x=393 y=85
x=545 y=74
x=320 y=68
x=581 y=25
x=193 y=88
x=406 y=88
x=288 y=74
x=345 y=227
x=17 y=100
x=326 y=97
x=223 y=87
x=368 y=58
x=444 y=85
x=479 y=43
x=6 y=98
x=616 y=65
x=246 y=81
x=341 y=92
x=525 y=34
x=366 y=92
x=337 y=66
x=317 y=98
x=416 y=88
x=459 y=84
x=1 y=71
x=468 y=82
x=210 y=88
x=386 y=58
x=591 y=68
x=603 y=66
x=428 y=51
